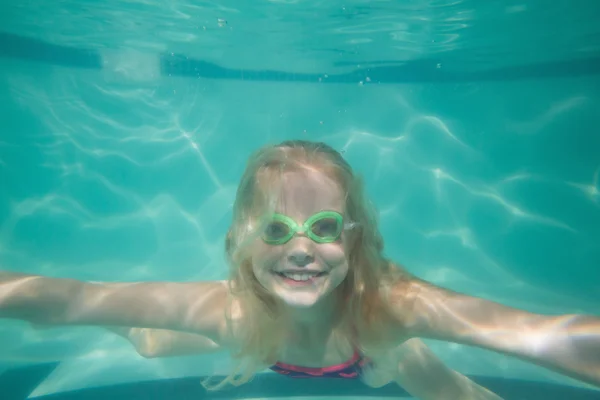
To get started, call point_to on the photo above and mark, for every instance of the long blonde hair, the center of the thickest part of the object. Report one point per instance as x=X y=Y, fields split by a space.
x=258 y=326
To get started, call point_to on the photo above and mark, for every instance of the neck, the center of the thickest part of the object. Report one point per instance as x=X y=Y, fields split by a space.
x=313 y=323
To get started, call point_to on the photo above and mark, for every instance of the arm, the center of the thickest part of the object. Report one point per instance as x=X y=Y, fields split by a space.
x=151 y=343
x=568 y=344
x=425 y=376
x=197 y=307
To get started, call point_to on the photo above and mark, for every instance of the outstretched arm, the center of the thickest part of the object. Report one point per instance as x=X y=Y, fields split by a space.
x=568 y=344
x=153 y=343
x=197 y=307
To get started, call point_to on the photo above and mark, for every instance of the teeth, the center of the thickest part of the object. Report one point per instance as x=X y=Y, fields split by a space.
x=299 y=277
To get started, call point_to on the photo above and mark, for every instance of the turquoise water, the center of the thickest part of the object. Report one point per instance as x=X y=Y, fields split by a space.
x=475 y=126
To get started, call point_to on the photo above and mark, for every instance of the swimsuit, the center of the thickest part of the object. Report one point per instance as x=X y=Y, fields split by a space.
x=351 y=369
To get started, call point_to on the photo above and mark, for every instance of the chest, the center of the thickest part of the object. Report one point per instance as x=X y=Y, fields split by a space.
x=317 y=354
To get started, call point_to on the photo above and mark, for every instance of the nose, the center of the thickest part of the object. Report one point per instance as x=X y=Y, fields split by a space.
x=300 y=254
x=300 y=259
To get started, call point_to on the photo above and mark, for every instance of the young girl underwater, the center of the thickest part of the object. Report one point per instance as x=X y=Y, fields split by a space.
x=311 y=294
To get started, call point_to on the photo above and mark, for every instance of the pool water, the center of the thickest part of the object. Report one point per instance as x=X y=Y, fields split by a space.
x=126 y=126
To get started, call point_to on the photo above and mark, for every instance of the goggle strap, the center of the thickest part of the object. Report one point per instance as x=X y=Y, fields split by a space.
x=350 y=225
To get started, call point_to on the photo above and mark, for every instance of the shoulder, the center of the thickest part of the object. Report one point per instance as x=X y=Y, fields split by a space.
x=400 y=291
x=398 y=284
x=213 y=292
x=419 y=307
x=209 y=304
x=228 y=312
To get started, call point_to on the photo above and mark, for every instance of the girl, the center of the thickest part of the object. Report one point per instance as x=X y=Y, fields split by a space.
x=310 y=293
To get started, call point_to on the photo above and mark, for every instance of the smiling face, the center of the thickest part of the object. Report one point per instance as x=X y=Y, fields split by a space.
x=301 y=272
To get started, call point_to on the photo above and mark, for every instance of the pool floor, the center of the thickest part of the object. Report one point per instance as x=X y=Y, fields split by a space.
x=17 y=384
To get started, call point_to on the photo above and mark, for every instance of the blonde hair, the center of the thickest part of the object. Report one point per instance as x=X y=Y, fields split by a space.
x=260 y=324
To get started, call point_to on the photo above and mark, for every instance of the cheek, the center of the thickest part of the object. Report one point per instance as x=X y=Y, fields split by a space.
x=263 y=254
x=334 y=253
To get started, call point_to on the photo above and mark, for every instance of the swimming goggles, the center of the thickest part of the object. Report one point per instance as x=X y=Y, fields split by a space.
x=322 y=227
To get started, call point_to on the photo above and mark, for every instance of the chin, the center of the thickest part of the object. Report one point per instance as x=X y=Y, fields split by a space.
x=299 y=302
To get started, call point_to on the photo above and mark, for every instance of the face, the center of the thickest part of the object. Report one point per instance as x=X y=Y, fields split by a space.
x=301 y=272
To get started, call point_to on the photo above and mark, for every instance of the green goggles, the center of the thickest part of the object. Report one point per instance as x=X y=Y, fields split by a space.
x=323 y=227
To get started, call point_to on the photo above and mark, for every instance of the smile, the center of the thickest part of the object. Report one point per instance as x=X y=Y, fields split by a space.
x=304 y=276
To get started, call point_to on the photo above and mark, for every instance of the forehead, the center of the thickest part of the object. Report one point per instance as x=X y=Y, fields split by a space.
x=301 y=194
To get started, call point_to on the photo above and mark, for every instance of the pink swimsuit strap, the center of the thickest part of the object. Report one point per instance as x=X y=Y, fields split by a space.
x=349 y=369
